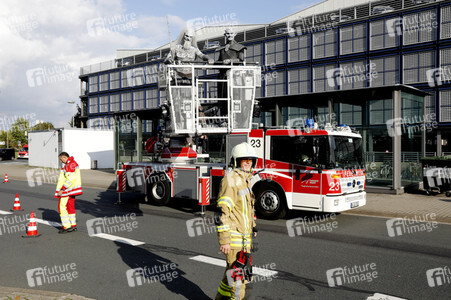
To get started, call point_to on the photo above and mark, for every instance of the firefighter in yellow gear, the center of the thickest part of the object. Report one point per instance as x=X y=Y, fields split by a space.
x=234 y=217
x=68 y=186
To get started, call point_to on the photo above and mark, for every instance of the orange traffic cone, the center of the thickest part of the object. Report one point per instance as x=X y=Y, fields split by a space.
x=32 y=227
x=17 y=206
x=6 y=178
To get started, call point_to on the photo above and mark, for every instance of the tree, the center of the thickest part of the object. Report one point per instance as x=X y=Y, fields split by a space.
x=76 y=118
x=3 y=137
x=17 y=132
x=43 y=126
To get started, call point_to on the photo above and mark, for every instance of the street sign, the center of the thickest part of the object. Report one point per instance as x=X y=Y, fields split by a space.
x=2 y=143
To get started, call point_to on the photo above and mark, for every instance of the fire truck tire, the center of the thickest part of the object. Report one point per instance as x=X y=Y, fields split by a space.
x=158 y=193
x=270 y=202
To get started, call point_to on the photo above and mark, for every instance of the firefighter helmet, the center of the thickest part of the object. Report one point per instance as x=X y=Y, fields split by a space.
x=241 y=151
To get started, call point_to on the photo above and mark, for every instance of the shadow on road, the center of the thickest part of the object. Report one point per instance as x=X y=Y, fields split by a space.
x=105 y=204
x=156 y=273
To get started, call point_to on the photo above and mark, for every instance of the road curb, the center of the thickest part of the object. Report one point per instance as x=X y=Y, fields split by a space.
x=19 y=294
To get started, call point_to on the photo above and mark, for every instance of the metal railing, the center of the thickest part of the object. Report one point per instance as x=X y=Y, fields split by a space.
x=373 y=8
x=388 y=156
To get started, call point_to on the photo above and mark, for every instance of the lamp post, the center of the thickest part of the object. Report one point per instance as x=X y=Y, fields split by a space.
x=73 y=105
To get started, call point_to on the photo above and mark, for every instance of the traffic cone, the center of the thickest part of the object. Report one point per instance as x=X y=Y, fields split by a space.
x=32 y=227
x=17 y=206
x=6 y=178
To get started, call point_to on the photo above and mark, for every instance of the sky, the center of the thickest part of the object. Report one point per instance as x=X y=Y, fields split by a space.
x=43 y=43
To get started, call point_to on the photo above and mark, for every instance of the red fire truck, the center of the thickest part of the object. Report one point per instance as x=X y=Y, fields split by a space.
x=309 y=168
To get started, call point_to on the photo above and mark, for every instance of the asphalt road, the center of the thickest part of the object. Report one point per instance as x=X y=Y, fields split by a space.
x=305 y=265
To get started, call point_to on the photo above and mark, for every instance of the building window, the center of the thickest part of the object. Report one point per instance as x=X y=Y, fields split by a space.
x=445 y=60
x=321 y=81
x=429 y=106
x=152 y=74
x=103 y=104
x=387 y=71
x=275 y=52
x=275 y=84
x=353 y=39
x=214 y=56
x=152 y=98
x=125 y=78
x=103 y=82
x=412 y=108
x=383 y=35
x=419 y=27
x=350 y=114
x=93 y=84
x=445 y=106
x=115 y=102
x=254 y=53
x=416 y=65
x=126 y=101
x=136 y=76
x=99 y=123
x=325 y=44
x=380 y=111
x=295 y=116
x=445 y=22
x=355 y=75
x=299 y=81
x=93 y=105
x=162 y=97
x=147 y=126
x=115 y=80
x=299 y=48
x=138 y=100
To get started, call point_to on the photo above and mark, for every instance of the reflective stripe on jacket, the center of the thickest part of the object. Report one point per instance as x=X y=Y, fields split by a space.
x=235 y=210
x=69 y=180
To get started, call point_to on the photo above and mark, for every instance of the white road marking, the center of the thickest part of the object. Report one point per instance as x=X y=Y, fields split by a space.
x=118 y=239
x=100 y=235
x=378 y=296
x=50 y=223
x=222 y=263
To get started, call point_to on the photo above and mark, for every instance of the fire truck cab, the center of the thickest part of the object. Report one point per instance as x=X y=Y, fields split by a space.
x=310 y=169
x=23 y=153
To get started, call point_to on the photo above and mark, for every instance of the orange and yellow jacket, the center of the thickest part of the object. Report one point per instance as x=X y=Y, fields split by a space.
x=234 y=216
x=69 y=180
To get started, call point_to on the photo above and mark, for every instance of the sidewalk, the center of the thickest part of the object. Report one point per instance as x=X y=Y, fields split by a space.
x=382 y=205
x=103 y=178
x=21 y=294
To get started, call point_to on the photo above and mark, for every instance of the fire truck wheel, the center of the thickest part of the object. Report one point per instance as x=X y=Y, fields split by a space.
x=158 y=193
x=270 y=203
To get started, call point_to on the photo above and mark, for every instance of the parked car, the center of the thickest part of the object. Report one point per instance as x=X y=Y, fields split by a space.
x=7 y=153
x=381 y=9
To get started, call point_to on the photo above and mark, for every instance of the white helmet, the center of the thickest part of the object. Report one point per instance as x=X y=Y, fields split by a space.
x=243 y=150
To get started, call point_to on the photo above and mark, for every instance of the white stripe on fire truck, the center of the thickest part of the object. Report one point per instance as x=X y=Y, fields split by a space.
x=222 y=263
x=294 y=170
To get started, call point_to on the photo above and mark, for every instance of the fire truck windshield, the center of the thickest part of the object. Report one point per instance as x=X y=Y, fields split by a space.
x=347 y=151
x=318 y=151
